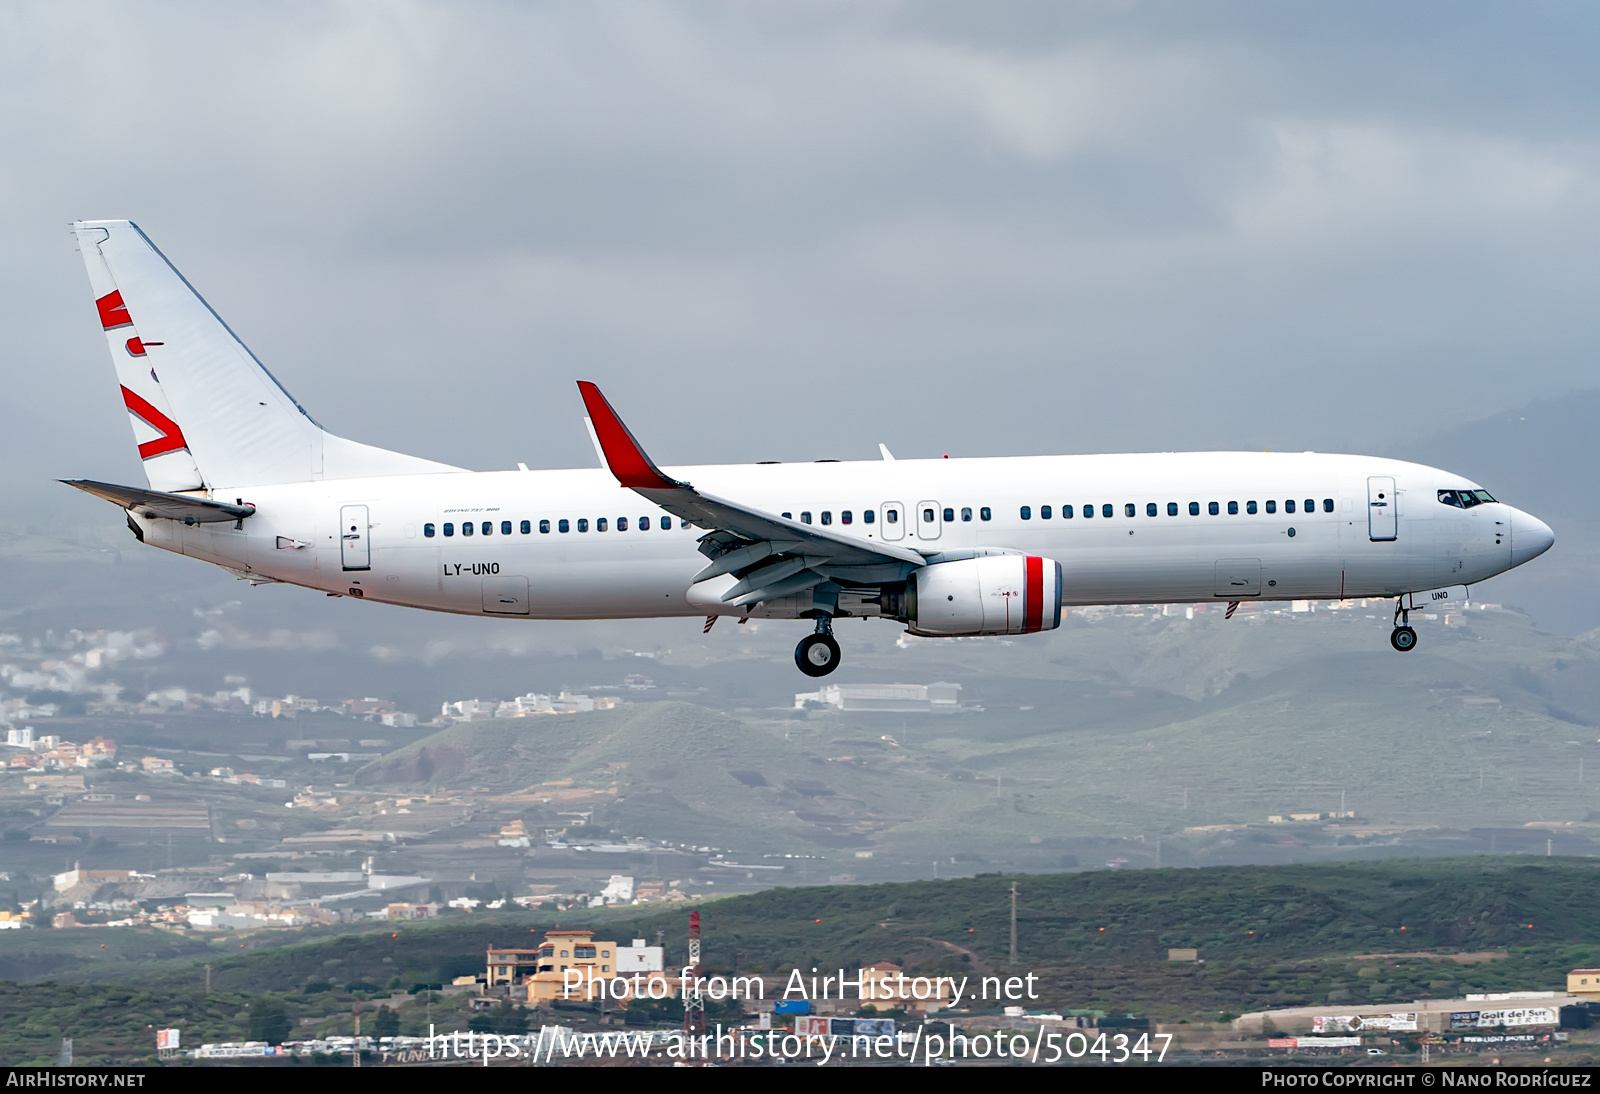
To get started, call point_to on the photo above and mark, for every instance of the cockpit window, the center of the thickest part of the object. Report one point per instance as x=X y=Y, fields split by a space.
x=1465 y=499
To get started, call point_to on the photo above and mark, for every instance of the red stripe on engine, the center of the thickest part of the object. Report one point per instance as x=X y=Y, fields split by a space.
x=171 y=439
x=1033 y=597
x=113 y=312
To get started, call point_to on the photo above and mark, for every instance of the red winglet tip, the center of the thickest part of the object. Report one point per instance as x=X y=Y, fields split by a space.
x=624 y=456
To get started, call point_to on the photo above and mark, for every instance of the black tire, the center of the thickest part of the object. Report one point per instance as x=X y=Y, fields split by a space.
x=1403 y=639
x=817 y=654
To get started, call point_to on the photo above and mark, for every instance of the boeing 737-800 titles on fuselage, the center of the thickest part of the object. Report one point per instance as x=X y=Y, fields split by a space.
x=241 y=476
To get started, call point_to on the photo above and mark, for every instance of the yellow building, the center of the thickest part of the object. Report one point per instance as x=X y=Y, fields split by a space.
x=571 y=965
x=885 y=984
x=1584 y=982
x=510 y=967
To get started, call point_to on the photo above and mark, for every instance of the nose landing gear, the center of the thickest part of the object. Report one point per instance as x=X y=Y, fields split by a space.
x=1402 y=638
x=818 y=652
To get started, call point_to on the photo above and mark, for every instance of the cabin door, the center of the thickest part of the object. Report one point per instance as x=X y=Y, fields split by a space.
x=1381 y=510
x=355 y=549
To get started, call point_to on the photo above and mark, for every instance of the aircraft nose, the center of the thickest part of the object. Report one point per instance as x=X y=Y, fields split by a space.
x=1530 y=537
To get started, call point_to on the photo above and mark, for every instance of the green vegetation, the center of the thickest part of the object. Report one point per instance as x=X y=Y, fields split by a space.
x=1268 y=936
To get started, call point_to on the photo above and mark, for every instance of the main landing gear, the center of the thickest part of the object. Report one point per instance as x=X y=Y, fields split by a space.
x=1402 y=638
x=818 y=653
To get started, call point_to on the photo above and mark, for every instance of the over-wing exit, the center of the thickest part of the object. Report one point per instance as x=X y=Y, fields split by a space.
x=240 y=475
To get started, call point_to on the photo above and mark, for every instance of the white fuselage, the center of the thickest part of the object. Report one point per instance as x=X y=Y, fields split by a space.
x=296 y=534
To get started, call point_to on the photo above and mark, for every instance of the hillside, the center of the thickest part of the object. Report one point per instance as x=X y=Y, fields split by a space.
x=1112 y=733
x=1270 y=936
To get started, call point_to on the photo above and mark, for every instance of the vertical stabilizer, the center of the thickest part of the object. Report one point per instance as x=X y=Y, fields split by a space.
x=205 y=412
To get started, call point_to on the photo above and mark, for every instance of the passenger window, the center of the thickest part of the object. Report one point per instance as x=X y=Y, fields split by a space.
x=1130 y=509
x=892 y=516
x=1250 y=507
x=950 y=514
x=788 y=516
x=845 y=516
x=1172 y=508
x=1272 y=507
x=622 y=524
x=1311 y=505
x=583 y=524
x=449 y=529
x=1288 y=506
x=505 y=528
x=544 y=528
x=644 y=524
x=1066 y=512
x=427 y=531
x=827 y=516
x=666 y=524
x=466 y=527
x=927 y=516
x=488 y=527
x=966 y=513
x=805 y=516
x=1213 y=508
x=1027 y=512
x=868 y=516
x=1150 y=509
x=1194 y=509
x=1106 y=510
x=564 y=525
x=1233 y=508
x=600 y=525
x=1327 y=505
x=983 y=514
x=1088 y=511
x=527 y=527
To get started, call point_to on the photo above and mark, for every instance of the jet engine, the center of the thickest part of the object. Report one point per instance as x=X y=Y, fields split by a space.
x=992 y=594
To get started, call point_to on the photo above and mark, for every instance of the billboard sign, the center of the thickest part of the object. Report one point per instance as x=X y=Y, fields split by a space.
x=1369 y=1023
x=1516 y=1016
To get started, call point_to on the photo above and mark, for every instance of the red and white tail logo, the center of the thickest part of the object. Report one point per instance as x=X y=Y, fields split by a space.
x=171 y=439
x=113 y=312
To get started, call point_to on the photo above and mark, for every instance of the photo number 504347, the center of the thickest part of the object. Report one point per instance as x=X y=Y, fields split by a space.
x=1115 y=1048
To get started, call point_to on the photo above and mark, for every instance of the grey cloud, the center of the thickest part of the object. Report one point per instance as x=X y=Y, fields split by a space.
x=792 y=232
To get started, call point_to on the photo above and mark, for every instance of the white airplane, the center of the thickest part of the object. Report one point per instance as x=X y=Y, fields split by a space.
x=242 y=477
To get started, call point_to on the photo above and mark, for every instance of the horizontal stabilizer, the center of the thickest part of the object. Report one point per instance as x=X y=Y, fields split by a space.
x=154 y=503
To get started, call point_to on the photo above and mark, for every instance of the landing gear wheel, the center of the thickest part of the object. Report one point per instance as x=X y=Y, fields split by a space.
x=1403 y=639
x=817 y=654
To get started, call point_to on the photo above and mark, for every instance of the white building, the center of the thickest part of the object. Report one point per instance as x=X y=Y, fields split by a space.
x=619 y=890
x=939 y=697
x=20 y=738
x=639 y=958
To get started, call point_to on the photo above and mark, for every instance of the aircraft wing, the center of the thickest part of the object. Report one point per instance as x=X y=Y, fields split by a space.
x=768 y=554
x=155 y=503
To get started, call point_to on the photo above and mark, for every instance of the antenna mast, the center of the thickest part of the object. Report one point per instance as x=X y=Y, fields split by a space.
x=694 y=1006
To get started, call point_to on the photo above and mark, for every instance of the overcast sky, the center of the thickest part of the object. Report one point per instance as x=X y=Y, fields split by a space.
x=790 y=231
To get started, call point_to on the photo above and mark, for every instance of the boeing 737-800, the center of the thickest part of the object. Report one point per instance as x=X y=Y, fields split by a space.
x=241 y=476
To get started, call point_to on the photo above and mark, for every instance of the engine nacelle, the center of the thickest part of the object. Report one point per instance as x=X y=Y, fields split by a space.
x=992 y=594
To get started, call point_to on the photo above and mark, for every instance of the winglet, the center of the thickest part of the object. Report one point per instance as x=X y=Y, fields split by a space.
x=622 y=453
